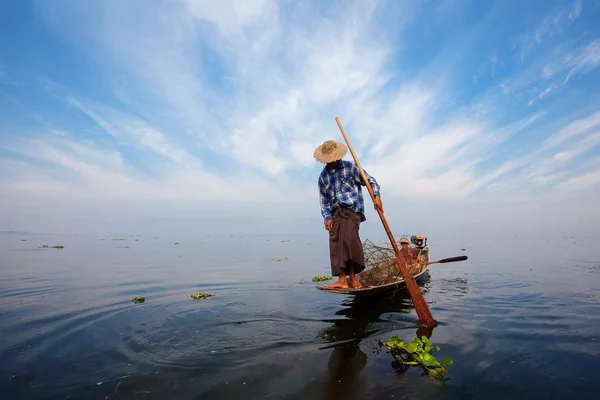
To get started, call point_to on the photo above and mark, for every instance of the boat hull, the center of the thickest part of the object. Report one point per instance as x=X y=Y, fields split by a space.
x=367 y=291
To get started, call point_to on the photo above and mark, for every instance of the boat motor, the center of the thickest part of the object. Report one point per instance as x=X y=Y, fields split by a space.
x=419 y=241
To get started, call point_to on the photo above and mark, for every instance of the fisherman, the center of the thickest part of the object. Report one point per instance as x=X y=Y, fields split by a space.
x=342 y=208
x=410 y=256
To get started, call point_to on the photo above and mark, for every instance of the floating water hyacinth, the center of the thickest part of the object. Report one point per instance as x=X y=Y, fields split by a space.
x=199 y=295
x=417 y=353
x=139 y=299
x=53 y=247
x=321 y=278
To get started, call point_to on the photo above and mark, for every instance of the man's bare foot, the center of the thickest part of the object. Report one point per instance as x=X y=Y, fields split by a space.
x=338 y=285
x=355 y=283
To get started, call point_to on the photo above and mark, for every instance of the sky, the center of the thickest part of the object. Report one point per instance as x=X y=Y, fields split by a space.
x=202 y=116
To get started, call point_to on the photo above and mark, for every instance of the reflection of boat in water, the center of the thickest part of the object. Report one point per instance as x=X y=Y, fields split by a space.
x=362 y=320
x=363 y=317
x=381 y=275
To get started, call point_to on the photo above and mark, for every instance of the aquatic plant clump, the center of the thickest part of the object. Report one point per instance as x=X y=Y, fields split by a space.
x=199 y=295
x=321 y=278
x=139 y=299
x=53 y=247
x=417 y=353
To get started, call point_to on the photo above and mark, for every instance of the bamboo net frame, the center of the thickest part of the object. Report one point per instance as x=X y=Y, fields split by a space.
x=380 y=264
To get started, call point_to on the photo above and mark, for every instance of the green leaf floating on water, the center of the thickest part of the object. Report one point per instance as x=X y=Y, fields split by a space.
x=321 y=278
x=418 y=353
x=430 y=360
x=199 y=295
x=396 y=341
x=139 y=299
x=411 y=347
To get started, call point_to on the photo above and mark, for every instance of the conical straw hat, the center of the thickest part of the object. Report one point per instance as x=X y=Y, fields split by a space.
x=330 y=151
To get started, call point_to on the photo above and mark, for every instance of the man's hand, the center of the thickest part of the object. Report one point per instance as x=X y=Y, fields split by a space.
x=329 y=225
x=377 y=203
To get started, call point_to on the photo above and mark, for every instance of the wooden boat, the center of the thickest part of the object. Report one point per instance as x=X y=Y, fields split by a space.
x=419 y=245
x=376 y=290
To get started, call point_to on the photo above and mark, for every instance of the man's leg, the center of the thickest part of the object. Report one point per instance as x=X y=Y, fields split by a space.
x=336 y=254
x=355 y=282
x=344 y=239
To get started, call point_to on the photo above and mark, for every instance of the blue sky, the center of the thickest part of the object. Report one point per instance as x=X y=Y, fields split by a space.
x=143 y=110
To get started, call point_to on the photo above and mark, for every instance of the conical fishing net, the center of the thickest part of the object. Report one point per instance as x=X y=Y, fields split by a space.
x=380 y=263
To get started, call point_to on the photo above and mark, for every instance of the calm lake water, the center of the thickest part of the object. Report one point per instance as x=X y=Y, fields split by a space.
x=520 y=319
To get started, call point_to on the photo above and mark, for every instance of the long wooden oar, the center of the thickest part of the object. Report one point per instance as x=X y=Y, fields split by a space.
x=417 y=298
x=447 y=260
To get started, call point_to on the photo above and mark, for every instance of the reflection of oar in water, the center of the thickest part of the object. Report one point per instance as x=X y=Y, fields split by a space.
x=446 y=260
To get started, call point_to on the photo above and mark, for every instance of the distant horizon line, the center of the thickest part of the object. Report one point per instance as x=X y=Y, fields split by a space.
x=187 y=234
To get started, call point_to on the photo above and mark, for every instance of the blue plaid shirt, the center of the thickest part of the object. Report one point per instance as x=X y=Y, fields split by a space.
x=343 y=186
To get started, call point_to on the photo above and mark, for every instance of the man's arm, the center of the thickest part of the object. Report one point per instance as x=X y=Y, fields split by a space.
x=372 y=181
x=325 y=203
x=374 y=186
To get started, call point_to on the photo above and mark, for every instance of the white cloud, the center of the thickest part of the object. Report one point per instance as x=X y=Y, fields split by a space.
x=583 y=61
x=568 y=63
x=551 y=25
x=587 y=144
x=576 y=12
x=101 y=174
x=581 y=182
x=550 y=73
x=407 y=171
x=131 y=130
x=319 y=70
x=573 y=129
x=552 y=164
x=277 y=99
x=552 y=54
x=546 y=91
x=233 y=16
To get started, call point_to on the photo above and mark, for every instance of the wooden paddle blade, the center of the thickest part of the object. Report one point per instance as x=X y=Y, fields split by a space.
x=453 y=259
